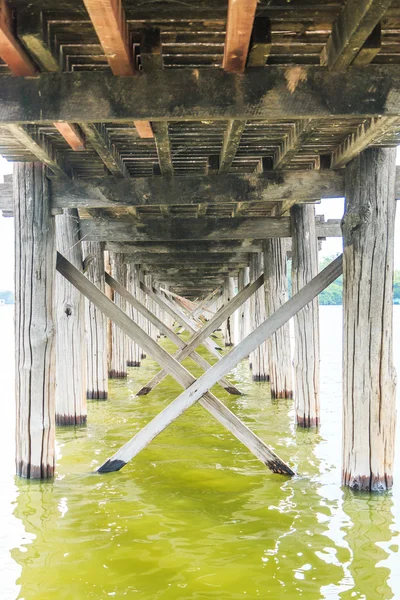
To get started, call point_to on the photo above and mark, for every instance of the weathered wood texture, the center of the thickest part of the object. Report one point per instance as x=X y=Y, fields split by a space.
x=206 y=381
x=369 y=380
x=132 y=283
x=258 y=359
x=119 y=344
x=306 y=322
x=71 y=406
x=209 y=401
x=228 y=326
x=35 y=351
x=243 y=314
x=276 y=294
x=275 y=93
x=96 y=325
x=239 y=26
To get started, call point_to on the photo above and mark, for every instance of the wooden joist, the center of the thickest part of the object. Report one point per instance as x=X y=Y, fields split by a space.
x=186 y=258
x=144 y=129
x=239 y=26
x=44 y=153
x=118 y=230
x=231 y=143
x=11 y=50
x=33 y=32
x=96 y=134
x=299 y=134
x=355 y=23
x=175 y=94
x=72 y=135
x=161 y=137
x=182 y=248
x=367 y=134
x=210 y=402
x=206 y=381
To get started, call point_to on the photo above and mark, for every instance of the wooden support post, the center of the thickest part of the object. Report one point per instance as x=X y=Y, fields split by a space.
x=96 y=325
x=259 y=358
x=34 y=325
x=228 y=325
x=276 y=294
x=228 y=362
x=132 y=284
x=306 y=322
x=244 y=311
x=208 y=400
x=119 y=346
x=71 y=406
x=369 y=380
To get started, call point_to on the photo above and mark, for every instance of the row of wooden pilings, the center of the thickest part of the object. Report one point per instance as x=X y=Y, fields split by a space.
x=55 y=374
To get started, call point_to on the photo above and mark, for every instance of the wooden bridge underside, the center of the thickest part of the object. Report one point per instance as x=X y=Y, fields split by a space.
x=184 y=133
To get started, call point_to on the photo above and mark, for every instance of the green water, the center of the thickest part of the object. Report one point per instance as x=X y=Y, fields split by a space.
x=195 y=515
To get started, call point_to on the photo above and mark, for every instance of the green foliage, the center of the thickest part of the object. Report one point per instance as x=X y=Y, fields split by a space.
x=333 y=293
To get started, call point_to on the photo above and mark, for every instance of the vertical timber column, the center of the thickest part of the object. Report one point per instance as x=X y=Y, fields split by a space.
x=71 y=406
x=306 y=321
x=259 y=358
x=96 y=325
x=244 y=310
x=35 y=352
x=276 y=294
x=133 y=349
x=119 y=346
x=228 y=325
x=369 y=379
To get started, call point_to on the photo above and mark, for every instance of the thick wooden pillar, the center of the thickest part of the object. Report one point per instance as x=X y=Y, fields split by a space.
x=276 y=294
x=306 y=321
x=119 y=346
x=71 y=406
x=229 y=325
x=35 y=352
x=96 y=325
x=134 y=352
x=369 y=380
x=244 y=311
x=259 y=357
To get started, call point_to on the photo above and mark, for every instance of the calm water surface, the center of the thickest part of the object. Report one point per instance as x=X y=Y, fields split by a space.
x=195 y=515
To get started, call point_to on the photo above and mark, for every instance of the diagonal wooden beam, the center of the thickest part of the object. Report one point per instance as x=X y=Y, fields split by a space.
x=202 y=306
x=228 y=362
x=367 y=134
x=231 y=143
x=161 y=137
x=239 y=26
x=160 y=325
x=202 y=334
x=355 y=23
x=208 y=401
x=97 y=136
x=302 y=131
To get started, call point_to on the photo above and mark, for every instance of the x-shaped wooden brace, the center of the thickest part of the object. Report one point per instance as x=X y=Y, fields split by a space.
x=202 y=334
x=206 y=399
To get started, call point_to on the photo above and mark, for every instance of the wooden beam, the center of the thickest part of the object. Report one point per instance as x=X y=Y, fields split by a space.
x=44 y=152
x=192 y=259
x=367 y=134
x=209 y=401
x=355 y=23
x=32 y=30
x=109 y=21
x=275 y=93
x=372 y=46
x=72 y=135
x=260 y=44
x=239 y=26
x=231 y=143
x=97 y=136
x=161 y=137
x=144 y=129
x=11 y=50
x=302 y=131
x=119 y=230
x=229 y=361
x=208 y=248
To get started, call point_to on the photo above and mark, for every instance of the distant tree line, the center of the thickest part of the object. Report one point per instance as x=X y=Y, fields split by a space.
x=333 y=293
x=7 y=296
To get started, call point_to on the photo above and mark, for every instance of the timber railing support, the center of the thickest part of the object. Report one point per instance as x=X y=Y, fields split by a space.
x=208 y=401
x=35 y=352
x=228 y=362
x=369 y=379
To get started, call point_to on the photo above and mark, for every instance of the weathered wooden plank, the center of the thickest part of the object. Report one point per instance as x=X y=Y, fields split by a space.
x=302 y=131
x=72 y=135
x=182 y=248
x=109 y=21
x=33 y=32
x=204 y=94
x=209 y=401
x=231 y=143
x=186 y=258
x=258 y=359
x=355 y=23
x=161 y=138
x=195 y=391
x=97 y=136
x=35 y=254
x=366 y=135
x=369 y=379
x=144 y=129
x=44 y=154
x=118 y=351
x=102 y=230
x=239 y=26
x=371 y=47
x=11 y=50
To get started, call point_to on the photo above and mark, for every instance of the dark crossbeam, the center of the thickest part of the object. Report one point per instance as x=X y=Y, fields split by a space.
x=273 y=93
x=188 y=258
x=118 y=230
x=165 y=248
